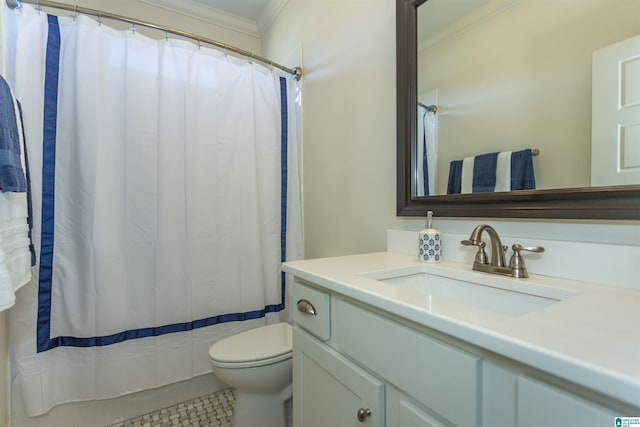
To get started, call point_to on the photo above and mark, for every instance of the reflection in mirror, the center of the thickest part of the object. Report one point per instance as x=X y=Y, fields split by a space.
x=595 y=202
x=510 y=75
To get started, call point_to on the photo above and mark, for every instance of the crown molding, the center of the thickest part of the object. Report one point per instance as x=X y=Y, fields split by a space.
x=196 y=10
x=270 y=13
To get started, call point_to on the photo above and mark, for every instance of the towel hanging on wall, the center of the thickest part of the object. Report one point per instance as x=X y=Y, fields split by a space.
x=11 y=162
x=492 y=172
x=15 y=258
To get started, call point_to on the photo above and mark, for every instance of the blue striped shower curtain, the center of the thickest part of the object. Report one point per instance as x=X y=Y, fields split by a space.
x=166 y=194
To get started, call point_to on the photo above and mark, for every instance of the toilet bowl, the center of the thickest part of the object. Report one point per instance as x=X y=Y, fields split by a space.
x=257 y=363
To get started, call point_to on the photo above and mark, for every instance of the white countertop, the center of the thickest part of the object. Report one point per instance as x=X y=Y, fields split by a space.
x=591 y=338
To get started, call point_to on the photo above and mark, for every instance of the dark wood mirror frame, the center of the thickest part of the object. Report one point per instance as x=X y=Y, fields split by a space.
x=620 y=202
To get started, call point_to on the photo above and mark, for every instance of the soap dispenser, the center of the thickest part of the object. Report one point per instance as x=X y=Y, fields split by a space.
x=430 y=249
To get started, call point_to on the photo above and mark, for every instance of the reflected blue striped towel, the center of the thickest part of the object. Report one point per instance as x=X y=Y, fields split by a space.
x=12 y=177
x=523 y=176
x=492 y=172
x=455 y=177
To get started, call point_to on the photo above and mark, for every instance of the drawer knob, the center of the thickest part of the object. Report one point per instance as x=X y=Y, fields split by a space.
x=363 y=414
x=304 y=306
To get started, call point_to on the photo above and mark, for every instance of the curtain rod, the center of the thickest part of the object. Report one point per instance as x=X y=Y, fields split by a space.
x=295 y=72
x=430 y=108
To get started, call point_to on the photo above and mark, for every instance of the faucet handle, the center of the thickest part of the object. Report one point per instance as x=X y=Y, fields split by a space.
x=481 y=255
x=518 y=247
x=516 y=263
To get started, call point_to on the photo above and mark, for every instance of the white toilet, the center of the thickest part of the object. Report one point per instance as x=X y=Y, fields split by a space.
x=257 y=363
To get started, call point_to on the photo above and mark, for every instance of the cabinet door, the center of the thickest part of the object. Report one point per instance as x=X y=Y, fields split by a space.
x=329 y=390
x=402 y=411
x=540 y=404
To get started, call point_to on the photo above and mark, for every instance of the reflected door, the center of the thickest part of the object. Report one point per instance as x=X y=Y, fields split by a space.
x=615 y=148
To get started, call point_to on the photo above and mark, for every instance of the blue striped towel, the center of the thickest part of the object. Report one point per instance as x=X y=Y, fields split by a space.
x=12 y=177
x=492 y=172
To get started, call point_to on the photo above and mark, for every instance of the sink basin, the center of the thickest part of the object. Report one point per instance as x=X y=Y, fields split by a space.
x=496 y=298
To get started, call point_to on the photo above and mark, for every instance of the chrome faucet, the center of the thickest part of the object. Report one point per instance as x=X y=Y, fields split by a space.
x=497 y=264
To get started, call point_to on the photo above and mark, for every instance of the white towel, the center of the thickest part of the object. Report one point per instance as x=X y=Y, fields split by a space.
x=15 y=258
x=503 y=171
x=467 y=175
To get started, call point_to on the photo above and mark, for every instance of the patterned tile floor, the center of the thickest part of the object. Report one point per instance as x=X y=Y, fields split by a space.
x=214 y=410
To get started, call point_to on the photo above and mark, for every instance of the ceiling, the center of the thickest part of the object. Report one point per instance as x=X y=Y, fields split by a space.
x=248 y=9
x=248 y=16
x=439 y=19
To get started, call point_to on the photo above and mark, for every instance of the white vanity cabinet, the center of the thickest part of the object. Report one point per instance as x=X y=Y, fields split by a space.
x=441 y=377
x=512 y=397
x=540 y=404
x=396 y=375
x=334 y=391
x=357 y=365
x=403 y=411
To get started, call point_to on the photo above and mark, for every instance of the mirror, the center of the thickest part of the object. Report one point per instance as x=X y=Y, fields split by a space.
x=459 y=108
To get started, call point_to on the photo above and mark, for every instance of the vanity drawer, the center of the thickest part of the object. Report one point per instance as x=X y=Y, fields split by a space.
x=312 y=310
x=445 y=379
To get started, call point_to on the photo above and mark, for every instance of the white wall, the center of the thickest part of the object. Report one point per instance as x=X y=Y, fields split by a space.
x=348 y=119
x=4 y=371
x=349 y=138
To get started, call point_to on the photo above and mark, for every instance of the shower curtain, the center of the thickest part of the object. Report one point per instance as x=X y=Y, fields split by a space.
x=165 y=184
x=427 y=152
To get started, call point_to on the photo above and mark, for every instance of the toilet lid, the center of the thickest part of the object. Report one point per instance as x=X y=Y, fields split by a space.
x=261 y=343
